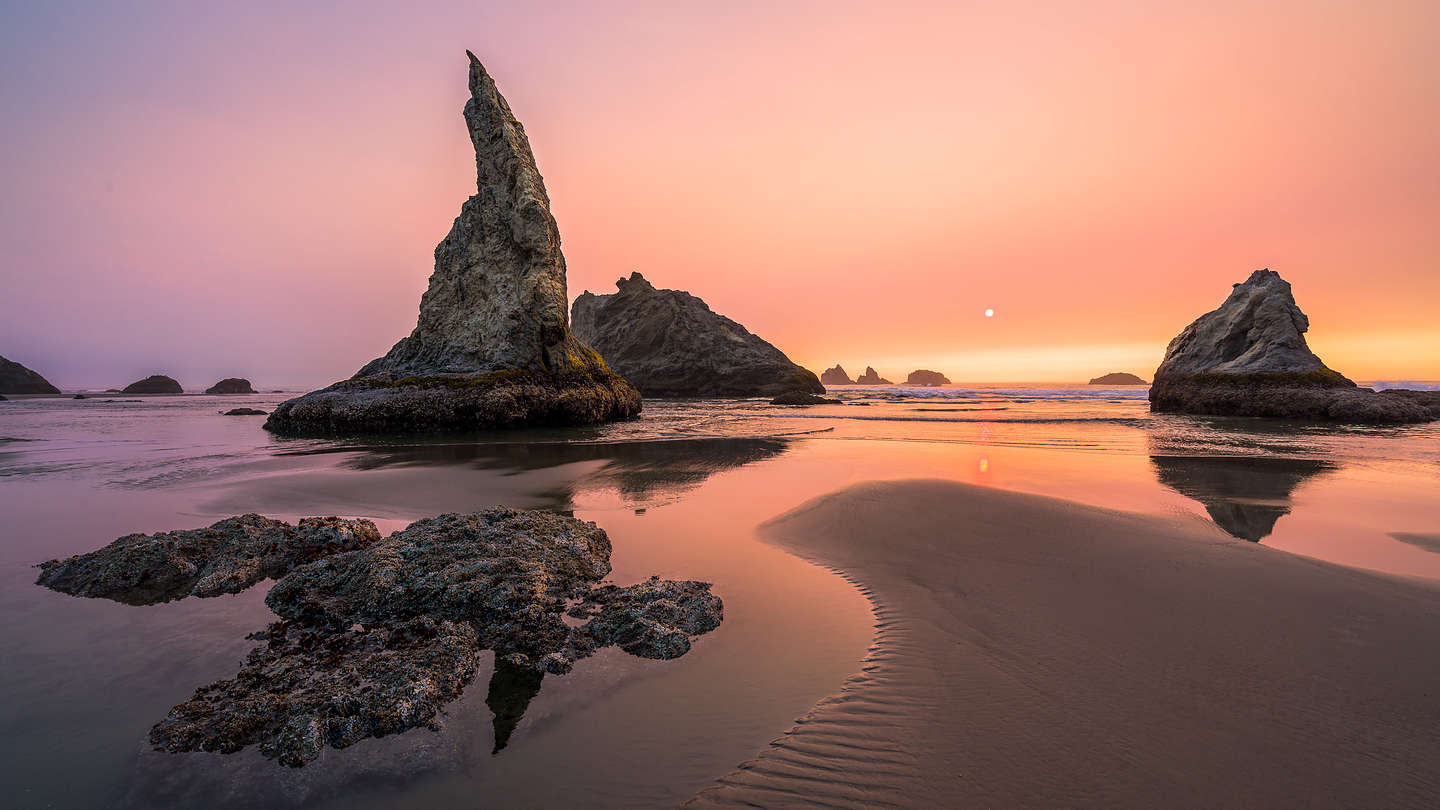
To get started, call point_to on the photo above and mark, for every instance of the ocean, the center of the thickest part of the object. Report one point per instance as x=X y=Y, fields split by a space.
x=680 y=491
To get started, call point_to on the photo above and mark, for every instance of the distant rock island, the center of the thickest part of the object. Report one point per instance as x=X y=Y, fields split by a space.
x=927 y=378
x=17 y=379
x=492 y=347
x=668 y=343
x=871 y=378
x=1117 y=378
x=835 y=376
x=1250 y=358
x=231 y=385
x=154 y=384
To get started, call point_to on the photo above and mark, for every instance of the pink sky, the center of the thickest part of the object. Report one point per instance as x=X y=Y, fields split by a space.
x=258 y=191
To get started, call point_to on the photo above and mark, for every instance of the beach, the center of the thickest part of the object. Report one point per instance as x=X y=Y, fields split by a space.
x=1035 y=652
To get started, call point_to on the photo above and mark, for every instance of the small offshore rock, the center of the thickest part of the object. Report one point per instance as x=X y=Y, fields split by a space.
x=835 y=376
x=154 y=384
x=243 y=412
x=1118 y=378
x=870 y=377
x=231 y=385
x=926 y=377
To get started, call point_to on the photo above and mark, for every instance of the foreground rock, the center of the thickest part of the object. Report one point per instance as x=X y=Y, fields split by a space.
x=154 y=384
x=927 y=378
x=835 y=376
x=1117 y=378
x=231 y=385
x=670 y=344
x=17 y=379
x=871 y=378
x=244 y=412
x=227 y=557
x=377 y=635
x=492 y=347
x=1250 y=358
x=802 y=398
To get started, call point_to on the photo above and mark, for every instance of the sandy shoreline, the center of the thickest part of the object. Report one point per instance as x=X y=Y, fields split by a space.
x=1034 y=652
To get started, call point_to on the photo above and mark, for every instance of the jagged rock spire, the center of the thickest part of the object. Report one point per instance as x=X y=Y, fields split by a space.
x=497 y=297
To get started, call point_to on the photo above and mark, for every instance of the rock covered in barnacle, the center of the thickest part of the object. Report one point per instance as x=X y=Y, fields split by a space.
x=654 y=619
x=1249 y=358
x=508 y=570
x=225 y=557
x=305 y=689
x=377 y=639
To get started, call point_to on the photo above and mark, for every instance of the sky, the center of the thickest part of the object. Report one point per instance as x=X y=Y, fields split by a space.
x=256 y=189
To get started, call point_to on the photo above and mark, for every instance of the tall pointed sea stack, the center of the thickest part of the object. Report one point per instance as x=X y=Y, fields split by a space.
x=1250 y=358
x=492 y=347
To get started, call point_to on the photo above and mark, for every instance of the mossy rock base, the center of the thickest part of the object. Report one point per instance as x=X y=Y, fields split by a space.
x=1320 y=396
x=453 y=403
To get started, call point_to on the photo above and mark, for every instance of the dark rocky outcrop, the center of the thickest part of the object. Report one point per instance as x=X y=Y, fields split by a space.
x=927 y=378
x=231 y=385
x=1249 y=358
x=377 y=635
x=802 y=398
x=871 y=378
x=670 y=344
x=17 y=379
x=154 y=384
x=1117 y=378
x=492 y=347
x=244 y=412
x=226 y=557
x=835 y=376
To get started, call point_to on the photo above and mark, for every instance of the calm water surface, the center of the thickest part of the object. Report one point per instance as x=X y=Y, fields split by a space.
x=680 y=492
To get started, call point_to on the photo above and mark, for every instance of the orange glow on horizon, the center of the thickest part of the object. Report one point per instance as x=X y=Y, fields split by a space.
x=854 y=183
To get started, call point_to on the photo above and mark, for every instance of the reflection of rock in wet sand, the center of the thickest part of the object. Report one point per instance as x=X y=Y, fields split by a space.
x=511 y=690
x=641 y=471
x=375 y=640
x=1424 y=542
x=1244 y=495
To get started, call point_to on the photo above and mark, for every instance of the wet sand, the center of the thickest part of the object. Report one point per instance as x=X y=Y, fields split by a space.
x=1034 y=652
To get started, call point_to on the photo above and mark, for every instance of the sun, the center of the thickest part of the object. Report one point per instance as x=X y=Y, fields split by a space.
x=989 y=313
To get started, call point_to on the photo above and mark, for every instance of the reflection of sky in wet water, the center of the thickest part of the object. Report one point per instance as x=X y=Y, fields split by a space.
x=85 y=680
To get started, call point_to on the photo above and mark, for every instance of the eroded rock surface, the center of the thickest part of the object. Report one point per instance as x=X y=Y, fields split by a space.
x=1249 y=358
x=231 y=385
x=376 y=639
x=17 y=379
x=670 y=343
x=154 y=384
x=835 y=376
x=225 y=557
x=492 y=347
